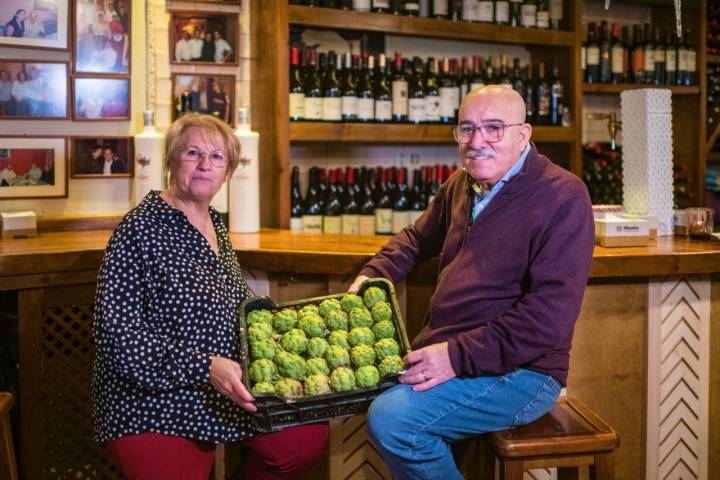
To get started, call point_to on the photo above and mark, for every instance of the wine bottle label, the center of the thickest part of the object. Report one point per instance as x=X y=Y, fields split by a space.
x=683 y=60
x=412 y=7
x=528 y=14
x=470 y=10
x=400 y=220
x=692 y=61
x=312 y=223
x=544 y=104
x=660 y=55
x=649 y=61
x=502 y=12
x=400 y=97
x=350 y=224
x=440 y=8
x=542 y=19
x=361 y=5
x=349 y=108
x=296 y=224
x=448 y=99
x=593 y=56
x=485 y=11
x=297 y=105
x=413 y=215
x=383 y=110
x=366 y=110
x=383 y=220
x=332 y=109
x=432 y=108
x=616 y=59
x=313 y=108
x=332 y=224
x=417 y=110
x=670 y=61
x=556 y=10
x=367 y=225
x=381 y=3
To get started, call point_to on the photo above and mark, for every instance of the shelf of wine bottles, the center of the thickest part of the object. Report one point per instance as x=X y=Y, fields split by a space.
x=363 y=201
x=514 y=22
x=713 y=97
x=640 y=55
x=713 y=29
x=602 y=173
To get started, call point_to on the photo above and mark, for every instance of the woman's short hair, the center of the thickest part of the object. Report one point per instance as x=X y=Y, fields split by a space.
x=177 y=134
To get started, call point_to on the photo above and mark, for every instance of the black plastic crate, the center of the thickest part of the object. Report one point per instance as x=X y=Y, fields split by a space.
x=275 y=413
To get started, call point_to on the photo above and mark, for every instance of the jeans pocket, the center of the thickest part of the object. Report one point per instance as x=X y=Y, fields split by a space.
x=542 y=403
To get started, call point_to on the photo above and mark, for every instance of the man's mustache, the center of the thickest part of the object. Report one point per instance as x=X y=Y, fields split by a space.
x=482 y=153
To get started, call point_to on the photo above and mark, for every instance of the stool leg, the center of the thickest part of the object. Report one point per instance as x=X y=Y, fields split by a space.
x=604 y=468
x=511 y=469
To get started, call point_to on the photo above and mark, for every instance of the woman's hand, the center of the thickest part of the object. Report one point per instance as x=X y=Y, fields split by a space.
x=226 y=377
x=356 y=283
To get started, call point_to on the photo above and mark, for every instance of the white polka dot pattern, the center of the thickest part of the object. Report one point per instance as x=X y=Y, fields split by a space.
x=165 y=303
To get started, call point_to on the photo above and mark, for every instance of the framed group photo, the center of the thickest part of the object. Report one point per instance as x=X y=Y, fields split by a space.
x=99 y=157
x=202 y=93
x=39 y=171
x=34 y=23
x=204 y=38
x=102 y=36
x=101 y=98
x=37 y=90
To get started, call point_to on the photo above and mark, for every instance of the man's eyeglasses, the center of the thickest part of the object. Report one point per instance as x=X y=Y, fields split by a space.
x=195 y=155
x=490 y=132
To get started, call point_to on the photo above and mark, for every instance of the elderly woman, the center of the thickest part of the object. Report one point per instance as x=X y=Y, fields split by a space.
x=166 y=381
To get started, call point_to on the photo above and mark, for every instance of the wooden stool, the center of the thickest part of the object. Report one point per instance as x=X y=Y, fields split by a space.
x=8 y=465
x=570 y=436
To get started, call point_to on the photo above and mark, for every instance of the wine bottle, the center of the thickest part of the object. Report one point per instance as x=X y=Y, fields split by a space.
x=556 y=13
x=518 y=84
x=332 y=220
x=516 y=13
x=638 y=55
x=528 y=13
x=323 y=182
x=464 y=79
x=397 y=7
x=592 y=49
x=502 y=12
x=477 y=79
x=470 y=10
x=349 y=89
x=361 y=5
x=660 y=58
x=605 y=70
x=671 y=59
x=649 y=48
x=244 y=185
x=383 y=98
x=556 y=96
x=529 y=95
x=435 y=182
x=416 y=94
x=366 y=97
x=412 y=8
x=351 y=207
x=440 y=9
x=449 y=94
x=312 y=213
x=691 y=58
x=148 y=159
x=313 y=90
x=332 y=98
x=401 y=205
x=542 y=15
x=399 y=91
x=297 y=92
x=380 y=6
x=296 y=201
x=503 y=77
x=617 y=56
x=432 y=93
x=485 y=11
x=383 y=207
x=542 y=97
x=417 y=198
x=367 y=206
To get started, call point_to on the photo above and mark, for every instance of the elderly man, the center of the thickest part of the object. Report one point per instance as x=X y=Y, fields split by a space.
x=515 y=237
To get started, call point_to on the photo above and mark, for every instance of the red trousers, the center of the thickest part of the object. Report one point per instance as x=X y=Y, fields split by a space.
x=287 y=454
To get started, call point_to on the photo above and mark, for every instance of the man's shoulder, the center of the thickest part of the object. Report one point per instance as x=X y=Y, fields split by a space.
x=561 y=182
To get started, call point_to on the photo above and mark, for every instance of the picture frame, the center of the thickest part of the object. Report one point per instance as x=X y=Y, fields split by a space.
x=200 y=38
x=35 y=24
x=33 y=167
x=36 y=90
x=102 y=36
x=102 y=157
x=205 y=93
x=101 y=98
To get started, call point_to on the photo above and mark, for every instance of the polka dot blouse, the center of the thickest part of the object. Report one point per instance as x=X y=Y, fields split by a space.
x=165 y=303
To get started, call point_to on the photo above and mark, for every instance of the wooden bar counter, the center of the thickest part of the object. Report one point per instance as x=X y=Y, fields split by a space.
x=646 y=349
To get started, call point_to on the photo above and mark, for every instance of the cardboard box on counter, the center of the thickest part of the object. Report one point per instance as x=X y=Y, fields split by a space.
x=18 y=224
x=612 y=231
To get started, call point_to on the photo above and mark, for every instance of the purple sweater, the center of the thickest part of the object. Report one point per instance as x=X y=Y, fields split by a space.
x=509 y=285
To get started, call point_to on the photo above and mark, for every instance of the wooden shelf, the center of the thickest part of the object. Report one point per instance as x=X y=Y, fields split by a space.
x=713 y=58
x=402 y=133
x=613 y=89
x=426 y=27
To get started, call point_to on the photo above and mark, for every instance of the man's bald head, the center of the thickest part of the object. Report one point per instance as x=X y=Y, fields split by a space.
x=500 y=95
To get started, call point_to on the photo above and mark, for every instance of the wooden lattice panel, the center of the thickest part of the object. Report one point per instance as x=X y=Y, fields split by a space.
x=352 y=455
x=678 y=378
x=67 y=356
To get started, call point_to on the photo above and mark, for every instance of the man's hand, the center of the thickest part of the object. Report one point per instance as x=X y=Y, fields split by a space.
x=429 y=366
x=226 y=377
x=356 y=283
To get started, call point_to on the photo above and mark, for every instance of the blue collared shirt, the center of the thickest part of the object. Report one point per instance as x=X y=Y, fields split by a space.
x=482 y=198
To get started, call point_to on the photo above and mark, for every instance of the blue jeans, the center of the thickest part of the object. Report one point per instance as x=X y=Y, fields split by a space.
x=414 y=430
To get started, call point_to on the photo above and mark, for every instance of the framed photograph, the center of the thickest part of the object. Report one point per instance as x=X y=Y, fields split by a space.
x=204 y=38
x=34 y=23
x=37 y=90
x=209 y=94
x=33 y=167
x=101 y=98
x=98 y=157
x=102 y=36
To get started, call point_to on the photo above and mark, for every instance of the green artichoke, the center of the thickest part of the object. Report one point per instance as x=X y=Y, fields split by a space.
x=390 y=365
x=290 y=365
x=259 y=331
x=337 y=320
x=317 y=384
x=362 y=355
x=381 y=311
x=294 y=341
x=317 y=347
x=342 y=379
x=360 y=317
x=367 y=376
x=337 y=357
x=339 y=338
x=264 y=349
x=260 y=315
x=386 y=347
x=285 y=319
x=308 y=309
x=312 y=325
x=384 y=329
x=289 y=388
x=263 y=370
x=329 y=305
x=361 y=336
x=374 y=295
x=263 y=388
x=350 y=301
x=316 y=365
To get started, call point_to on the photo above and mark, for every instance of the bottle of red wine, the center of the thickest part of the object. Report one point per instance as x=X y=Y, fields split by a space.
x=542 y=97
x=332 y=222
x=332 y=101
x=383 y=207
x=401 y=205
x=449 y=93
x=367 y=206
x=399 y=91
x=417 y=198
x=351 y=207
x=416 y=94
x=312 y=214
x=313 y=90
x=556 y=96
x=296 y=202
x=297 y=92
x=432 y=92
x=322 y=187
x=348 y=89
x=366 y=96
x=383 y=98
